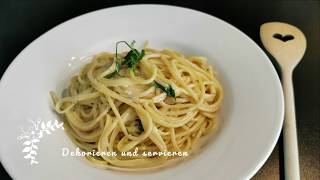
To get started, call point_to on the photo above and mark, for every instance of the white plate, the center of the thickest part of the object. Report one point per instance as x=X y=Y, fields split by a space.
x=252 y=113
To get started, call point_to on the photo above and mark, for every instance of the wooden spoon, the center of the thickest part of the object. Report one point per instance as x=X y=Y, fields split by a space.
x=287 y=44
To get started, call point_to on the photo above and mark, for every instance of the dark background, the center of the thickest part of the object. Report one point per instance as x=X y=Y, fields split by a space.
x=22 y=21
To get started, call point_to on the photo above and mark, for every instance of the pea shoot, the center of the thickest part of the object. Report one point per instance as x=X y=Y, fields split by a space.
x=168 y=90
x=131 y=60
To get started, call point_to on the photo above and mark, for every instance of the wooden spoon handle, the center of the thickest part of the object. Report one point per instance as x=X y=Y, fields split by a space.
x=291 y=155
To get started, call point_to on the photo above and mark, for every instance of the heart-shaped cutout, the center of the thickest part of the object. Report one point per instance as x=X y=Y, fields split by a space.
x=284 y=38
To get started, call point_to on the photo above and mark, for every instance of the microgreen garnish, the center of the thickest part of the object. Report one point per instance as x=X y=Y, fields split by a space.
x=140 y=127
x=168 y=90
x=130 y=60
x=133 y=57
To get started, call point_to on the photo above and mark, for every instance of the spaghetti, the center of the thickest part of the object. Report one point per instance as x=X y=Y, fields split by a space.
x=166 y=102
